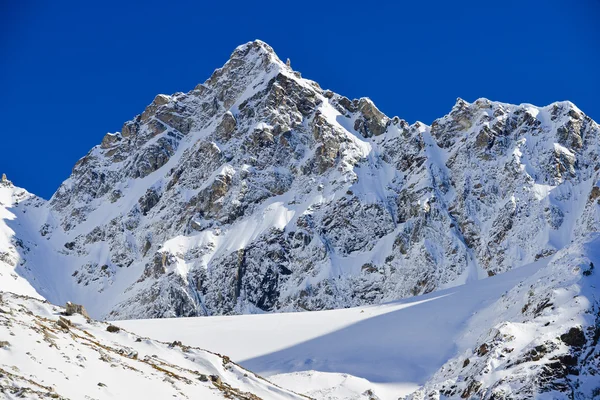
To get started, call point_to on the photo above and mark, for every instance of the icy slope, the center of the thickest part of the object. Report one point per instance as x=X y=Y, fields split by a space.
x=19 y=210
x=258 y=191
x=540 y=340
x=46 y=355
x=394 y=346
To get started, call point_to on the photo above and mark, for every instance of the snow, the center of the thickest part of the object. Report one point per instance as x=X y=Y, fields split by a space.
x=562 y=149
x=521 y=201
x=391 y=348
x=332 y=386
x=87 y=361
x=13 y=277
x=541 y=191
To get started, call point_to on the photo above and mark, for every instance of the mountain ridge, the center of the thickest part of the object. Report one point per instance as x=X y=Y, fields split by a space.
x=259 y=192
x=215 y=161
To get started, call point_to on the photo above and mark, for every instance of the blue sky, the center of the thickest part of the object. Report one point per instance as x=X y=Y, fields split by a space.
x=70 y=71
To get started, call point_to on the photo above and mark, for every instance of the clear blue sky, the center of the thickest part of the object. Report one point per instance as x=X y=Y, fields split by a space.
x=70 y=71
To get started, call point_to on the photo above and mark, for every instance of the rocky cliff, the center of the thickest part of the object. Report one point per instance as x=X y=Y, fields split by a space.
x=540 y=340
x=259 y=191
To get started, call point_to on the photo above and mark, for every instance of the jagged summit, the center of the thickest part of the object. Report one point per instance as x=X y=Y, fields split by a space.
x=4 y=181
x=257 y=52
x=257 y=46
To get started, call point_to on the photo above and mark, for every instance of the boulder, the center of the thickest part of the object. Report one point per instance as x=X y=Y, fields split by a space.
x=574 y=338
x=72 y=308
x=226 y=127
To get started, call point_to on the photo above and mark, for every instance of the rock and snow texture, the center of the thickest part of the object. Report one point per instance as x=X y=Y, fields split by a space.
x=259 y=191
x=531 y=332
x=540 y=340
x=44 y=354
x=389 y=349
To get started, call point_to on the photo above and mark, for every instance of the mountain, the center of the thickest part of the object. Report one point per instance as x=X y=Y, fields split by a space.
x=258 y=191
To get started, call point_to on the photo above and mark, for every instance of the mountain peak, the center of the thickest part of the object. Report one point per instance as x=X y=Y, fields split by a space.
x=253 y=45
x=257 y=52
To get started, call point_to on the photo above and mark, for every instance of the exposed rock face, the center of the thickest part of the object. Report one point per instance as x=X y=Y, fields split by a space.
x=259 y=191
x=540 y=340
x=372 y=122
x=71 y=309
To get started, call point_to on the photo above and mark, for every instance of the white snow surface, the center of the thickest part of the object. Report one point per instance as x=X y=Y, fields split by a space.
x=41 y=359
x=391 y=349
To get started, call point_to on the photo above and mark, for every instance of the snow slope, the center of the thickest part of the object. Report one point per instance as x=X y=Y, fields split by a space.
x=540 y=340
x=395 y=346
x=15 y=274
x=46 y=355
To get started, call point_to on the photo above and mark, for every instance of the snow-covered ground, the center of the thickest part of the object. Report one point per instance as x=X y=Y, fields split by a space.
x=44 y=354
x=390 y=349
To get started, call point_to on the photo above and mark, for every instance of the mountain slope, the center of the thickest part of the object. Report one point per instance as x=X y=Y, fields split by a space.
x=531 y=332
x=20 y=216
x=46 y=355
x=259 y=191
x=540 y=340
x=395 y=346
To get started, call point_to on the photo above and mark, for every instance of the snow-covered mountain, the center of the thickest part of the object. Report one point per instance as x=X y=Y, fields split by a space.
x=259 y=191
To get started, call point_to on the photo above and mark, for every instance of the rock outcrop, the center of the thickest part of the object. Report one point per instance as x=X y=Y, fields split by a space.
x=71 y=309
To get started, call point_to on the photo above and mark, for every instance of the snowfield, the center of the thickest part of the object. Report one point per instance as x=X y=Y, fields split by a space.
x=390 y=349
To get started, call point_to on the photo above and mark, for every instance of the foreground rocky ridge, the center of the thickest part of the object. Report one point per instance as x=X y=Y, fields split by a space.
x=46 y=353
